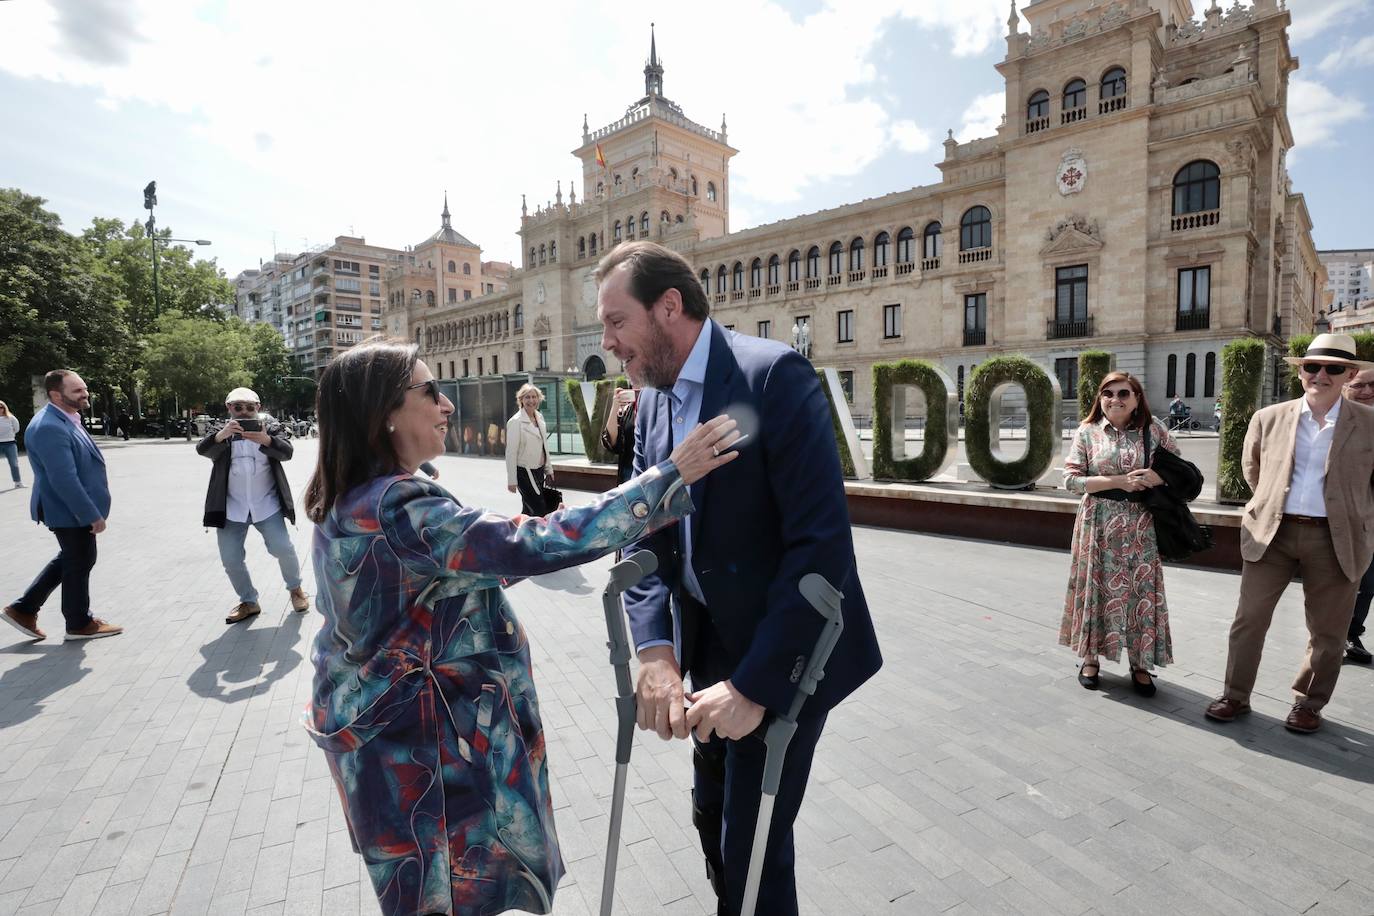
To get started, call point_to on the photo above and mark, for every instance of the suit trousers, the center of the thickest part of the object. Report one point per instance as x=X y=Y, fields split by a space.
x=1297 y=549
x=71 y=569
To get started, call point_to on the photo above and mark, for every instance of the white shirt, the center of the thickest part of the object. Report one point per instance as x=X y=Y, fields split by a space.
x=252 y=492
x=9 y=427
x=1307 y=486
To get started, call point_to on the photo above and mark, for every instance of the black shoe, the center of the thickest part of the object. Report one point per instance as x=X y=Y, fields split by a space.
x=1088 y=681
x=1356 y=652
x=1146 y=689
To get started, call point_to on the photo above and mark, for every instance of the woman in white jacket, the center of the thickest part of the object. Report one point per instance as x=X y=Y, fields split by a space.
x=527 y=457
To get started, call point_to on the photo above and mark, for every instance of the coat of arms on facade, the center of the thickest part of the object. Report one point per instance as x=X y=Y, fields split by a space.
x=541 y=325
x=1073 y=172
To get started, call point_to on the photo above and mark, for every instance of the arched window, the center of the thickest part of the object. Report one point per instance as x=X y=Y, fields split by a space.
x=663 y=217
x=1171 y=376
x=1190 y=376
x=836 y=258
x=417 y=336
x=882 y=245
x=678 y=218
x=630 y=226
x=591 y=244
x=1075 y=94
x=672 y=173
x=931 y=239
x=1209 y=375
x=904 y=239
x=706 y=280
x=582 y=246
x=720 y=279
x=1038 y=106
x=543 y=253
x=737 y=276
x=634 y=176
x=694 y=186
x=429 y=297
x=794 y=266
x=519 y=317
x=615 y=231
x=813 y=262
x=755 y=273
x=616 y=180
x=452 y=268
x=1113 y=83
x=467 y=268
x=773 y=264
x=710 y=190
x=600 y=188
x=856 y=254
x=975 y=229
x=1197 y=187
x=532 y=254
x=553 y=253
x=429 y=338
x=644 y=223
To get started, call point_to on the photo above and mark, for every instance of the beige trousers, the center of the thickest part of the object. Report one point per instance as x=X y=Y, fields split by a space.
x=1328 y=596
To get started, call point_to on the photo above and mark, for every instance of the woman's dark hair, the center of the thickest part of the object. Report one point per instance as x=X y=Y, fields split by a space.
x=1140 y=417
x=357 y=392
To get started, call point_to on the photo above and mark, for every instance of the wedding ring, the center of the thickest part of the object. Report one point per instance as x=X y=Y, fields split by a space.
x=715 y=451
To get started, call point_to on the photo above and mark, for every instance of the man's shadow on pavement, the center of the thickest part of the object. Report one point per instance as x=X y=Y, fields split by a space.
x=247 y=659
x=568 y=580
x=1337 y=749
x=26 y=687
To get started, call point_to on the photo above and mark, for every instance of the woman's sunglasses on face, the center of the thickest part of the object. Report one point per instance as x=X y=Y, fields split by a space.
x=1331 y=371
x=431 y=386
x=1120 y=394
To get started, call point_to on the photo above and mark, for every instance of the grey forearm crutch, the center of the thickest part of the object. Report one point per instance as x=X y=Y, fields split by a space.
x=825 y=598
x=624 y=575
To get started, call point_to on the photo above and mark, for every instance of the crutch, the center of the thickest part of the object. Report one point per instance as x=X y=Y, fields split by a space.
x=624 y=575
x=826 y=600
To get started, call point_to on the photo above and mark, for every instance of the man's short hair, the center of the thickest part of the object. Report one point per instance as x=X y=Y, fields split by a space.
x=54 y=380
x=653 y=270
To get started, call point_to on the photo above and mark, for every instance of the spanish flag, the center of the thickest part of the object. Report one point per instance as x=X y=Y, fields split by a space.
x=600 y=156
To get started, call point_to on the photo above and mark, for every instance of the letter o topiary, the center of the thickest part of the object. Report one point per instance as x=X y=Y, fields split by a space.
x=942 y=420
x=986 y=387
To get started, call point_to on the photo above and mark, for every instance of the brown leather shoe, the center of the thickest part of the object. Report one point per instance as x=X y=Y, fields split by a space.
x=242 y=611
x=1225 y=709
x=1301 y=719
x=24 y=623
x=96 y=629
x=300 y=601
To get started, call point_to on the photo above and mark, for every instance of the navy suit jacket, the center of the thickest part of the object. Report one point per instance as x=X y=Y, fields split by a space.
x=70 y=489
x=762 y=522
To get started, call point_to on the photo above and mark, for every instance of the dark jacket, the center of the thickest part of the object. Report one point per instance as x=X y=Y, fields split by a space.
x=221 y=453
x=1178 y=534
x=624 y=447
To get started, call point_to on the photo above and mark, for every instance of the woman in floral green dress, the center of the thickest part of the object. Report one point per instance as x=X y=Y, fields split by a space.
x=1116 y=580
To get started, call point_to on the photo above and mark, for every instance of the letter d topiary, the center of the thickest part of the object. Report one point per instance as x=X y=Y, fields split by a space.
x=942 y=420
x=989 y=382
x=1242 y=373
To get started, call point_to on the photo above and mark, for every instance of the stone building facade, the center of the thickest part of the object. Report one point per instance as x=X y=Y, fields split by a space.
x=1134 y=199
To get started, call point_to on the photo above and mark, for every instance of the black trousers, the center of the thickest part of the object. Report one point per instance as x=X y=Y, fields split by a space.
x=531 y=483
x=1362 y=600
x=71 y=569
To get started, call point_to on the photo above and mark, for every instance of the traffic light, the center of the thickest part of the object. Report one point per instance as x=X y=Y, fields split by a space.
x=150 y=196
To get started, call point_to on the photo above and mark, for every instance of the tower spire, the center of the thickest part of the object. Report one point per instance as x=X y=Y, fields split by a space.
x=1013 y=21
x=445 y=214
x=653 y=70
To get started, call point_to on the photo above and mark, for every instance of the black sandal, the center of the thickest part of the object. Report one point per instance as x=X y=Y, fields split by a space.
x=1089 y=681
x=1145 y=689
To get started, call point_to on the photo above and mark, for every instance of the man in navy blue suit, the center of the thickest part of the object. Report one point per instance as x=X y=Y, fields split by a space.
x=72 y=497
x=724 y=607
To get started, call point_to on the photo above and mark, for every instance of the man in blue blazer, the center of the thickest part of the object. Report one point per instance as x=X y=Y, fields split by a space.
x=72 y=497
x=724 y=606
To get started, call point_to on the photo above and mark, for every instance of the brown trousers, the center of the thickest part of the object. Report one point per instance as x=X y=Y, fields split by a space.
x=1328 y=596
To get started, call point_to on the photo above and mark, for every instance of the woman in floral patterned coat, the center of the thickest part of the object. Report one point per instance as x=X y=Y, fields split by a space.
x=423 y=698
x=1116 y=580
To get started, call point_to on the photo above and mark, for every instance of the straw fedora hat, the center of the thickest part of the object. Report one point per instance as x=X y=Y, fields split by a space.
x=1330 y=348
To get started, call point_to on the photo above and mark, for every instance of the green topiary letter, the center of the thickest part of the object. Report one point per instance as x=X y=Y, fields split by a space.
x=1242 y=375
x=889 y=412
x=591 y=427
x=1093 y=366
x=982 y=415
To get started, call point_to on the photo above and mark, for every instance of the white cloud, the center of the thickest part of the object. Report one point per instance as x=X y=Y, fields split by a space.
x=1316 y=113
x=1347 y=56
x=1312 y=17
x=982 y=117
x=346 y=114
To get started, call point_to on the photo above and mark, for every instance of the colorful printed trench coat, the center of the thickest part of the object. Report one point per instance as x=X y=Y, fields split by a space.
x=423 y=696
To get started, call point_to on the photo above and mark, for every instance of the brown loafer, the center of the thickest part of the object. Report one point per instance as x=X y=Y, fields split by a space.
x=96 y=629
x=300 y=601
x=24 y=623
x=242 y=611
x=1303 y=720
x=1225 y=709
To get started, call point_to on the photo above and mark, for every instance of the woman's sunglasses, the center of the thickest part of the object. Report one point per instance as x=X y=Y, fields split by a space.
x=1120 y=394
x=1331 y=371
x=432 y=386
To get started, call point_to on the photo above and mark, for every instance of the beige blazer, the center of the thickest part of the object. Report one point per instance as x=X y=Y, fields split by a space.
x=525 y=443
x=1268 y=466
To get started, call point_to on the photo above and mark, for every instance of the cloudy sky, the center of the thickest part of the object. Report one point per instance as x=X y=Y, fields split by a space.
x=277 y=125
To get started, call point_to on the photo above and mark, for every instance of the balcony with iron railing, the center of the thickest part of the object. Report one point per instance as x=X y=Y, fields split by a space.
x=1193 y=320
x=1199 y=220
x=974 y=255
x=1061 y=328
x=975 y=337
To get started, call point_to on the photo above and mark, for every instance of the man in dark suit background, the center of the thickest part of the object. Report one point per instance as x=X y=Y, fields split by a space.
x=72 y=497
x=724 y=606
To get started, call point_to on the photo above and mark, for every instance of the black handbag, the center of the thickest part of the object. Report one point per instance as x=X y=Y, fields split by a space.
x=553 y=498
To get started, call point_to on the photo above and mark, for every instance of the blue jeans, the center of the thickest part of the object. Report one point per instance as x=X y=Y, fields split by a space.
x=274 y=535
x=11 y=451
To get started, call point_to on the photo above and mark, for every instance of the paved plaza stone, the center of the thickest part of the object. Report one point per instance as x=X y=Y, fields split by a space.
x=166 y=770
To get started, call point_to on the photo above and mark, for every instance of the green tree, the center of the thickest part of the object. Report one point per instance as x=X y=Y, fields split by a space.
x=194 y=359
x=269 y=365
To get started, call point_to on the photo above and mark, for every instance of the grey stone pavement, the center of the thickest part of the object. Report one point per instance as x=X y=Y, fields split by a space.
x=165 y=770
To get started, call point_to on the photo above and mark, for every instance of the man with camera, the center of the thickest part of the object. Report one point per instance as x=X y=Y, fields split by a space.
x=248 y=488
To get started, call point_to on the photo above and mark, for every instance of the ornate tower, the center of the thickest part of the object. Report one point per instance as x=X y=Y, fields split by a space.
x=653 y=70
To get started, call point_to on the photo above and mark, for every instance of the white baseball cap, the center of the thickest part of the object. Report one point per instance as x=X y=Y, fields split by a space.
x=242 y=394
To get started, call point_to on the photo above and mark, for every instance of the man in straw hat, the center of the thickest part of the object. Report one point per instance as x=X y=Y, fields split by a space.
x=1311 y=468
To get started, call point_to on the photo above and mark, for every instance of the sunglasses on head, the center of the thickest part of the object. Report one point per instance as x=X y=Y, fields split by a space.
x=1120 y=394
x=431 y=386
x=1331 y=371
